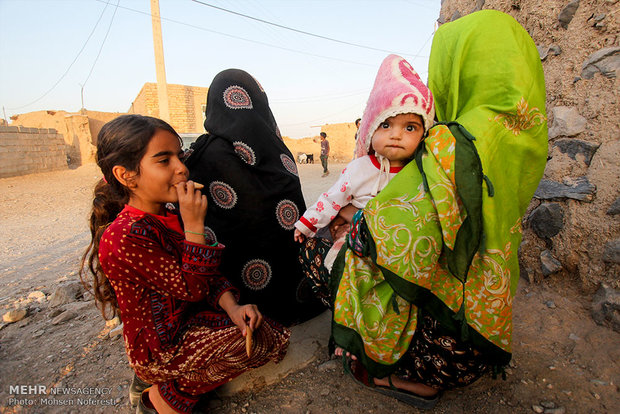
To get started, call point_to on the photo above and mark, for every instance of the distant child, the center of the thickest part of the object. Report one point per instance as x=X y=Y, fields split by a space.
x=184 y=330
x=399 y=111
x=324 y=153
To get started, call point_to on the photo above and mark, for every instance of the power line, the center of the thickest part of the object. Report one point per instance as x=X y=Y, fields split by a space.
x=246 y=40
x=71 y=65
x=102 y=43
x=301 y=31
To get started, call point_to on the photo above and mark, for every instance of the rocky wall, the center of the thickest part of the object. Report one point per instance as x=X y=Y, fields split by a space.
x=79 y=130
x=30 y=150
x=572 y=227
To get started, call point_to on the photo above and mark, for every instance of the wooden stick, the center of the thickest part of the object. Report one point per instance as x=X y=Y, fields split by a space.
x=248 y=340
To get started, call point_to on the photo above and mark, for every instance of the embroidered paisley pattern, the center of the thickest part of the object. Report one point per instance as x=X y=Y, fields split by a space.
x=524 y=118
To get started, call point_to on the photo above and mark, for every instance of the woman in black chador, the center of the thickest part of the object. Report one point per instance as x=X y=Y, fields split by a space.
x=255 y=198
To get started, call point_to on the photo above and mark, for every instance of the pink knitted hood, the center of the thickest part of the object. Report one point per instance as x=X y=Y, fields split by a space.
x=397 y=90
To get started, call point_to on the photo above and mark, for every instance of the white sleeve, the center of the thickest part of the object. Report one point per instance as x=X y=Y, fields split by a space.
x=321 y=213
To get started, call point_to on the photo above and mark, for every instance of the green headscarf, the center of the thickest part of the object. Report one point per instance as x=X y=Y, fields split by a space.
x=444 y=234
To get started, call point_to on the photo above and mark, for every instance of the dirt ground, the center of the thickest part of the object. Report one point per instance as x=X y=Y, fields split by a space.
x=563 y=361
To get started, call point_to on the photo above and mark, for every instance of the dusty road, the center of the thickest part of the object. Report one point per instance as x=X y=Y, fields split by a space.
x=563 y=362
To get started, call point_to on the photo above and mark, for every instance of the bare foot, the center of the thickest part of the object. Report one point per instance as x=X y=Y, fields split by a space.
x=414 y=387
x=158 y=402
x=339 y=351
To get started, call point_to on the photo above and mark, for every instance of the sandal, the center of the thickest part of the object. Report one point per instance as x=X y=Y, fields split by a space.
x=144 y=404
x=360 y=375
x=136 y=388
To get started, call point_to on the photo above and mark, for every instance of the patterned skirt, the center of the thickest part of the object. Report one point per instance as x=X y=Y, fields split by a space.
x=434 y=358
x=312 y=258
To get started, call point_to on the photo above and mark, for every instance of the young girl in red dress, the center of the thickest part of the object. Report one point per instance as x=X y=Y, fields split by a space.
x=183 y=327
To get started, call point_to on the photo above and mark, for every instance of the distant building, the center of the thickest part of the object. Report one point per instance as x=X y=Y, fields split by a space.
x=186 y=104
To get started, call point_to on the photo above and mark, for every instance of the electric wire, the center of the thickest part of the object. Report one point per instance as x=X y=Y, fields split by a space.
x=376 y=49
x=70 y=65
x=246 y=40
x=102 y=43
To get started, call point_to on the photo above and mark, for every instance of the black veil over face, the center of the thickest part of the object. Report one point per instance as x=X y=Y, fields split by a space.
x=255 y=197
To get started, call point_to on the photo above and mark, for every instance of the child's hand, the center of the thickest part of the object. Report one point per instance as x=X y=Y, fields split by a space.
x=245 y=315
x=192 y=205
x=299 y=236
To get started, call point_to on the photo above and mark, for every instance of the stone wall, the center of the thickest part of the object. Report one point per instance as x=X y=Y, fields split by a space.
x=79 y=130
x=186 y=105
x=30 y=150
x=341 y=139
x=572 y=227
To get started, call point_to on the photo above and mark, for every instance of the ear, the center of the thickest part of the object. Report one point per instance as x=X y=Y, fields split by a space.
x=124 y=176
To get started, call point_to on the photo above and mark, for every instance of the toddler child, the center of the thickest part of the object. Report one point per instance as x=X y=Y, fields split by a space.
x=398 y=112
x=182 y=325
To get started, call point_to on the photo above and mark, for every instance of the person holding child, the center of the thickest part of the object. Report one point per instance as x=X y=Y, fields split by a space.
x=185 y=331
x=399 y=111
x=422 y=291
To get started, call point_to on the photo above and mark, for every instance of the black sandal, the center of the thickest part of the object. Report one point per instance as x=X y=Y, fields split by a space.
x=361 y=376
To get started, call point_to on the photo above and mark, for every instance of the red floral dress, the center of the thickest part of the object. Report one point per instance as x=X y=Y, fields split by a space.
x=176 y=335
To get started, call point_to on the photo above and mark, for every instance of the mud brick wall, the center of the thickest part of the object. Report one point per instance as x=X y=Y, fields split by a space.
x=30 y=150
x=186 y=105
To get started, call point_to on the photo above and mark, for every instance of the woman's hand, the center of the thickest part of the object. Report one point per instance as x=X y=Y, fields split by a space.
x=299 y=236
x=341 y=224
x=193 y=208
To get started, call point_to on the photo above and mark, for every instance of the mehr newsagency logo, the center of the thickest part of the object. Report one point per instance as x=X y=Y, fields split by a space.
x=42 y=395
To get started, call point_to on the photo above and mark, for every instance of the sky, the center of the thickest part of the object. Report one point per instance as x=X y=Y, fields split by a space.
x=54 y=54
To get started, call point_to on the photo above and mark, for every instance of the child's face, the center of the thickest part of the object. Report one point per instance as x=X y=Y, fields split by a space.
x=160 y=170
x=397 y=138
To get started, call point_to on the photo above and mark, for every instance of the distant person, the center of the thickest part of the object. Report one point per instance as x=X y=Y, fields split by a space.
x=156 y=268
x=255 y=198
x=357 y=130
x=391 y=144
x=324 y=153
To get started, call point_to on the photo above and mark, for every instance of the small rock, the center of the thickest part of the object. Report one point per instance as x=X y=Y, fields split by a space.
x=573 y=337
x=37 y=295
x=557 y=410
x=572 y=147
x=606 y=307
x=550 y=304
x=116 y=332
x=38 y=333
x=599 y=382
x=596 y=395
x=14 y=315
x=112 y=323
x=66 y=293
x=330 y=365
x=547 y=404
x=55 y=312
x=611 y=254
x=456 y=15
x=64 y=317
x=581 y=190
x=547 y=220
x=324 y=392
x=567 y=121
x=549 y=264
x=567 y=13
x=606 y=61
x=538 y=409
x=615 y=208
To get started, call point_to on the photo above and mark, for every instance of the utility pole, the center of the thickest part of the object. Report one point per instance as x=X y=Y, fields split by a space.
x=160 y=67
